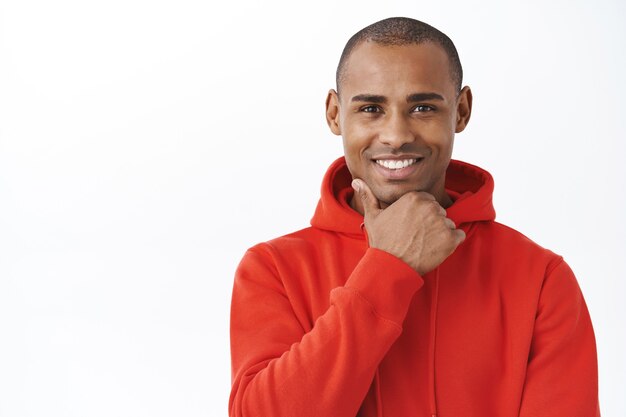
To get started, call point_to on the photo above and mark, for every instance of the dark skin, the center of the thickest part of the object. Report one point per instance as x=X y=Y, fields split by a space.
x=398 y=113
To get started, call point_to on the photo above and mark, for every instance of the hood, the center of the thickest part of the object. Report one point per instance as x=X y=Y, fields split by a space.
x=470 y=187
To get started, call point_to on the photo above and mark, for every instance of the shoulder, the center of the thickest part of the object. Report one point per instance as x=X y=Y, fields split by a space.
x=301 y=241
x=304 y=241
x=513 y=246
x=507 y=260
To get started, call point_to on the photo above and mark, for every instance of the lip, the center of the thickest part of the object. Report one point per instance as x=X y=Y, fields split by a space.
x=397 y=157
x=397 y=174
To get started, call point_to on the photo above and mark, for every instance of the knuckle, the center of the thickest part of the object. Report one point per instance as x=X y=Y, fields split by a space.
x=412 y=196
x=425 y=196
x=437 y=207
x=433 y=208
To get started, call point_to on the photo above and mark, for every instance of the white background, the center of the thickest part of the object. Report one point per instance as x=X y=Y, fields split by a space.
x=144 y=145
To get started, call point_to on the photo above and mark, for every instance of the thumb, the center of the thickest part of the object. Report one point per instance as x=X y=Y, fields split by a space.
x=370 y=203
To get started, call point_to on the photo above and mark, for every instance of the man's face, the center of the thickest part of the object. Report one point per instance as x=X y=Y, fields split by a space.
x=398 y=113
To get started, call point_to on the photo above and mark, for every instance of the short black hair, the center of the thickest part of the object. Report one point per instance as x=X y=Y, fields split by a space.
x=402 y=31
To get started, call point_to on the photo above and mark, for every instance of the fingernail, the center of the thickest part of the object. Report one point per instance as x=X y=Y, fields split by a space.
x=356 y=184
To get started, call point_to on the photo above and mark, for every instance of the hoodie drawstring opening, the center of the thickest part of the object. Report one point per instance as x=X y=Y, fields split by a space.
x=379 y=396
x=431 y=346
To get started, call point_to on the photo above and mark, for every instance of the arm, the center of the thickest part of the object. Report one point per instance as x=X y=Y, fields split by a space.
x=280 y=370
x=562 y=374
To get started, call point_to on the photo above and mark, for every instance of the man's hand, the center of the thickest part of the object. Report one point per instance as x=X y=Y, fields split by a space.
x=414 y=228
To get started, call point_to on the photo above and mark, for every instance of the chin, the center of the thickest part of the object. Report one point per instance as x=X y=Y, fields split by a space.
x=389 y=197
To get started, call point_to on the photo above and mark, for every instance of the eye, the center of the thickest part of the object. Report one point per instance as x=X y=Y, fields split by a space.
x=422 y=108
x=370 y=109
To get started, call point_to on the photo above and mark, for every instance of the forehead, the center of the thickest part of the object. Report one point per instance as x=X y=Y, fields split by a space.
x=397 y=70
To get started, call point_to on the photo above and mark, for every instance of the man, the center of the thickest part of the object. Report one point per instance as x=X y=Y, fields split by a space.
x=405 y=297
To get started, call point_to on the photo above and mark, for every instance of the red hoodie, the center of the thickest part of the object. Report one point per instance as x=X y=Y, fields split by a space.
x=322 y=325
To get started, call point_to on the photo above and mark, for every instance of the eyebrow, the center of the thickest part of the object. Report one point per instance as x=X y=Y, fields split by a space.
x=423 y=97
x=372 y=98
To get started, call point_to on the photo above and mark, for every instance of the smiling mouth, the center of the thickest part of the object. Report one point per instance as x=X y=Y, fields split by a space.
x=395 y=164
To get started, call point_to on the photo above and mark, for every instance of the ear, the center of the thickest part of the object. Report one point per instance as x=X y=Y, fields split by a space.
x=463 y=109
x=332 y=112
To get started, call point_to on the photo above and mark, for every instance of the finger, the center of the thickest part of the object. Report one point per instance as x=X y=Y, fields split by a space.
x=371 y=206
x=459 y=236
x=425 y=195
x=449 y=223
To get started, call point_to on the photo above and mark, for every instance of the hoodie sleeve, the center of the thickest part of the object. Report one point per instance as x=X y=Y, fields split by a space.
x=562 y=374
x=280 y=370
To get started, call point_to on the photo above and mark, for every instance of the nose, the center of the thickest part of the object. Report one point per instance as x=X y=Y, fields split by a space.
x=396 y=131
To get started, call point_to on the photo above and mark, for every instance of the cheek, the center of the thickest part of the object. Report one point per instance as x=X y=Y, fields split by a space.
x=355 y=138
x=440 y=136
x=351 y=153
x=349 y=147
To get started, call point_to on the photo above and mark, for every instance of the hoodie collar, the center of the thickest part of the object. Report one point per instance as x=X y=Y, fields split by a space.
x=470 y=187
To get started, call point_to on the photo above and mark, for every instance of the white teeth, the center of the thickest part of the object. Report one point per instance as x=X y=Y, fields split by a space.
x=395 y=164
